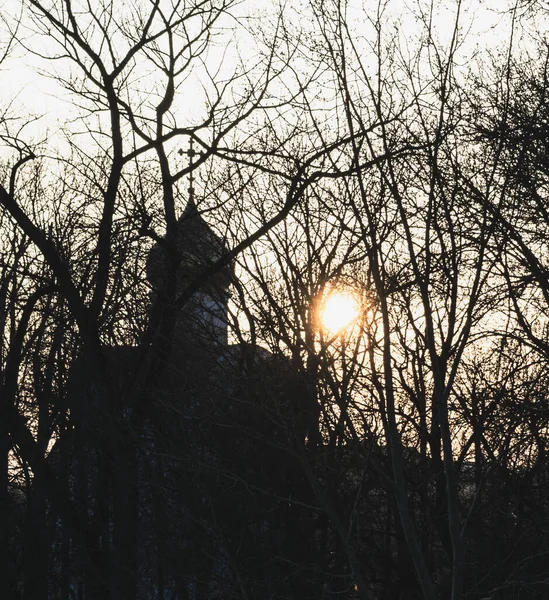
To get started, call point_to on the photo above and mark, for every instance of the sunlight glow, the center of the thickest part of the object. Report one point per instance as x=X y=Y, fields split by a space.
x=338 y=312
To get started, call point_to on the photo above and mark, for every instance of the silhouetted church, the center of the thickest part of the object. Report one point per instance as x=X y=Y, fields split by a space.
x=197 y=247
x=183 y=480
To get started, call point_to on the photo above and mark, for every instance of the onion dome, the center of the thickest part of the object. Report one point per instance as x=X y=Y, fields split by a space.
x=198 y=247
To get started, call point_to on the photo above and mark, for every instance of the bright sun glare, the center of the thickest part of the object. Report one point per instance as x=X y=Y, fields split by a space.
x=338 y=312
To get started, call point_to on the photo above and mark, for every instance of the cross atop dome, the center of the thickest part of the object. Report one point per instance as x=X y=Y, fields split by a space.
x=198 y=247
x=191 y=153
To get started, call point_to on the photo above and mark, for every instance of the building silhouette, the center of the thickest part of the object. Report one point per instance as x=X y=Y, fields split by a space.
x=182 y=467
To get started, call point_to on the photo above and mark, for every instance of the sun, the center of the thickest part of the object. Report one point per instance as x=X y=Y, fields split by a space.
x=338 y=312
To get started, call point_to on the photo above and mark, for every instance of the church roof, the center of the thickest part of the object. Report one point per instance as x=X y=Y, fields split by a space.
x=198 y=246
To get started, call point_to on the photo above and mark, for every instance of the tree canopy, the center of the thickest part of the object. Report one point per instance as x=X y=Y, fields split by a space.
x=182 y=186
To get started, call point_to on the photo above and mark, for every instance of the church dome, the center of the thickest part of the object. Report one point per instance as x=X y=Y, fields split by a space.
x=198 y=247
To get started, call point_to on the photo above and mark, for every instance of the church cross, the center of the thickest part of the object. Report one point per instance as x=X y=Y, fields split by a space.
x=191 y=153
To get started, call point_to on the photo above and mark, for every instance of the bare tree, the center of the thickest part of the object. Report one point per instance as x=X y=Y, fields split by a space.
x=404 y=200
x=157 y=455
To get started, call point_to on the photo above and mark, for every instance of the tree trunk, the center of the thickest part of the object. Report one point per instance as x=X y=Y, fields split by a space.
x=7 y=572
x=37 y=542
x=125 y=514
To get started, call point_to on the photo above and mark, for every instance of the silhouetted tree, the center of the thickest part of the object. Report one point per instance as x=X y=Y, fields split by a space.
x=154 y=444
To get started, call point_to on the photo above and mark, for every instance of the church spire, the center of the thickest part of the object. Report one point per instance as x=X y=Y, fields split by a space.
x=198 y=247
x=191 y=208
x=191 y=153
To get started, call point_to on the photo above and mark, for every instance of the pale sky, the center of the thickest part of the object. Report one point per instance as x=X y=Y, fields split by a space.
x=484 y=23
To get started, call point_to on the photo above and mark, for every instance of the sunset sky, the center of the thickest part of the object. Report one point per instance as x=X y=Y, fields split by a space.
x=30 y=80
